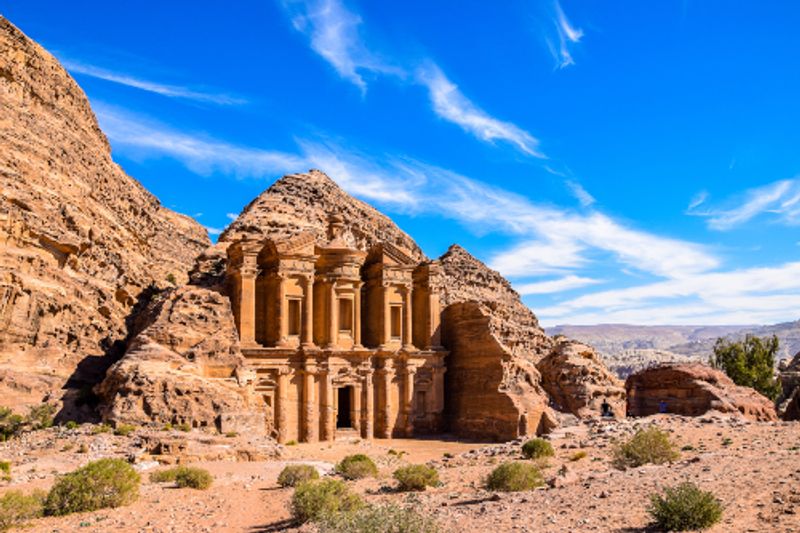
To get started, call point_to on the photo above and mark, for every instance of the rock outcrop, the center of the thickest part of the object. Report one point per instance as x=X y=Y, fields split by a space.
x=79 y=239
x=490 y=393
x=691 y=390
x=577 y=382
x=512 y=322
x=184 y=367
x=789 y=375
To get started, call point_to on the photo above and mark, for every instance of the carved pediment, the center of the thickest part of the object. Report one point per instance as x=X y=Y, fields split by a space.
x=302 y=244
x=389 y=254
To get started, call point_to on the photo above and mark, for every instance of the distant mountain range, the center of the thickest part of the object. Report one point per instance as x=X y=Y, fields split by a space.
x=628 y=348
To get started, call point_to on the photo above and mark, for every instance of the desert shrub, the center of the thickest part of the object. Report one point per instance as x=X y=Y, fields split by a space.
x=193 y=478
x=5 y=471
x=98 y=485
x=16 y=508
x=291 y=443
x=650 y=445
x=750 y=363
x=71 y=424
x=416 y=477
x=41 y=416
x=164 y=476
x=83 y=448
x=356 y=467
x=167 y=427
x=231 y=434
x=186 y=428
x=123 y=430
x=101 y=428
x=320 y=500
x=684 y=508
x=388 y=518
x=293 y=475
x=577 y=456
x=537 y=448
x=514 y=477
x=10 y=424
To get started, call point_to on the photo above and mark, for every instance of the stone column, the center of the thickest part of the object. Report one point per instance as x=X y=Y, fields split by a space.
x=357 y=317
x=368 y=427
x=333 y=312
x=247 y=302
x=281 y=413
x=438 y=389
x=407 y=318
x=388 y=375
x=408 y=400
x=310 y=420
x=308 y=312
x=328 y=420
x=434 y=320
x=283 y=312
x=387 y=317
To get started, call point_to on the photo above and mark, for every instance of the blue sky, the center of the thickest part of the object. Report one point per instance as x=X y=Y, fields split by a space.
x=619 y=161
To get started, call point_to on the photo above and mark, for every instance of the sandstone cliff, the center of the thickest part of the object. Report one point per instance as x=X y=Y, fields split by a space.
x=693 y=389
x=577 y=382
x=79 y=239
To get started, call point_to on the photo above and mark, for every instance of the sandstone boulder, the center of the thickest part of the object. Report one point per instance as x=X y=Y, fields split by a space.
x=183 y=367
x=577 y=381
x=691 y=390
x=80 y=241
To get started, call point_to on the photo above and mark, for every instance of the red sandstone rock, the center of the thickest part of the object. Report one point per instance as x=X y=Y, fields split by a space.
x=577 y=381
x=692 y=389
x=79 y=239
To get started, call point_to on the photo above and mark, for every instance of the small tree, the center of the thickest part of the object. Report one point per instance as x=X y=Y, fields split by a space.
x=750 y=363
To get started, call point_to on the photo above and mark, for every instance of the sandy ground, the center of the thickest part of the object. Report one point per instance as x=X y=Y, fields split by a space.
x=754 y=468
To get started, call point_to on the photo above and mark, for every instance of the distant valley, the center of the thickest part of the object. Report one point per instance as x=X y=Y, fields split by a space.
x=628 y=348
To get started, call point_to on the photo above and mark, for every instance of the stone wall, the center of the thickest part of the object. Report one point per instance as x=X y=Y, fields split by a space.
x=489 y=393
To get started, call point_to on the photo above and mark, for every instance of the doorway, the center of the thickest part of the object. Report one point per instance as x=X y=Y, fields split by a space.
x=344 y=397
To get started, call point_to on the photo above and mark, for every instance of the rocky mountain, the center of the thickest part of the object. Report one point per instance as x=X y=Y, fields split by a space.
x=627 y=348
x=80 y=241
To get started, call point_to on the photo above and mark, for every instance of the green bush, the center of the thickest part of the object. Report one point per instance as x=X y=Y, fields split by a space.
x=5 y=471
x=388 y=518
x=514 y=477
x=41 y=416
x=416 y=477
x=17 y=508
x=577 y=456
x=123 y=430
x=98 y=485
x=537 y=448
x=356 y=467
x=71 y=424
x=101 y=428
x=193 y=478
x=293 y=475
x=684 y=508
x=750 y=363
x=185 y=427
x=165 y=476
x=10 y=424
x=650 y=445
x=291 y=443
x=320 y=500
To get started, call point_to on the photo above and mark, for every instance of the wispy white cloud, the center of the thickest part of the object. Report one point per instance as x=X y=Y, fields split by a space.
x=171 y=91
x=566 y=283
x=698 y=200
x=232 y=216
x=212 y=230
x=746 y=296
x=580 y=193
x=780 y=199
x=449 y=103
x=333 y=33
x=567 y=36
x=145 y=138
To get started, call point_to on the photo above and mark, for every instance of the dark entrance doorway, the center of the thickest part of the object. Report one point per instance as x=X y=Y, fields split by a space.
x=343 y=415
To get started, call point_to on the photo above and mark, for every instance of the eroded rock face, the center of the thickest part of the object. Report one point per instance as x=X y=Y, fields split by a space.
x=789 y=402
x=691 y=390
x=79 y=239
x=468 y=279
x=183 y=367
x=577 y=381
x=489 y=392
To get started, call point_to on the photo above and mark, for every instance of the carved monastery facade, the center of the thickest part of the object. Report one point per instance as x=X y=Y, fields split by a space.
x=339 y=341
